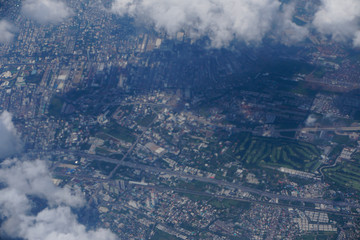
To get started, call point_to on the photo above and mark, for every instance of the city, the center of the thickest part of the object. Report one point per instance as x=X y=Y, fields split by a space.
x=163 y=139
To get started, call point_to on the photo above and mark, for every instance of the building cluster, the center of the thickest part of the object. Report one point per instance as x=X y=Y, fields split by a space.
x=123 y=116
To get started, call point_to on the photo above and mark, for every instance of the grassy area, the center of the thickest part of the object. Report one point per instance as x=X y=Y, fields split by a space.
x=287 y=67
x=335 y=151
x=102 y=151
x=145 y=121
x=85 y=146
x=55 y=106
x=286 y=123
x=319 y=73
x=194 y=185
x=228 y=203
x=74 y=95
x=288 y=134
x=189 y=227
x=104 y=167
x=35 y=79
x=304 y=89
x=160 y=235
x=195 y=197
x=357 y=116
x=120 y=132
x=341 y=139
x=260 y=151
x=126 y=173
x=319 y=236
x=346 y=174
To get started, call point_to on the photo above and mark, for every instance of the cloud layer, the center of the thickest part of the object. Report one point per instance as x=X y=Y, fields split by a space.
x=339 y=19
x=220 y=20
x=10 y=142
x=20 y=181
x=6 y=31
x=56 y=222
x=286 y=31
x=248 y=20
x=46 y=11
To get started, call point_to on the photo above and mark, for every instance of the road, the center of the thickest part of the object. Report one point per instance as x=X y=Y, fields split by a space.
x=131 y=149
x=218 y=182
x=316 y=129
x=210 y=195
x=284 y=205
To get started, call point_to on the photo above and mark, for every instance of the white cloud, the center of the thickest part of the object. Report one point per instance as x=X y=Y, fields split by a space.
x=6 y=31
x=220 y=20
x=21 y=179
x=57 y=222
x=10 y=142
x=46 y=11
x=286 y=30
x=311 y=120
x=34 y=178
x=248 y=20
x=356 y=41
x=339 y=19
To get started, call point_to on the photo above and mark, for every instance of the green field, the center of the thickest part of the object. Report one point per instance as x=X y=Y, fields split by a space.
x=341 y=139
x=260 y=151
x=145 y=121
x=194 y=185
x=228 y=203
x=286 y=67
x=117 y=131
x=319 y=236
x=357 y=116
x=160 y=235
x=35 y=79
x=346 y=174
x=102 y=151
x=194 y=197
x=104 y=167
x=55 y=106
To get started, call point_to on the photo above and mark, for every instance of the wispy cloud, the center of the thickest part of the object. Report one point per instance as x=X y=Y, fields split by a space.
x=247 y=20
x=10 y=142
x=220 y=20
x=20 y=181
x=46 y=11
x=56 y=222
x=285 y=30
x=6 y=31
x=339 y=19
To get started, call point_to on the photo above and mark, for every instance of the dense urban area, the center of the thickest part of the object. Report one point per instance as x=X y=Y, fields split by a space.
x=168 y=139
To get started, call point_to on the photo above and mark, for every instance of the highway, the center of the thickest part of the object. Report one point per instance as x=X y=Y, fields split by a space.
x=130 y=149
x=218 y=196
x=316 y=129
x=284 y=205
x=217 y=182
